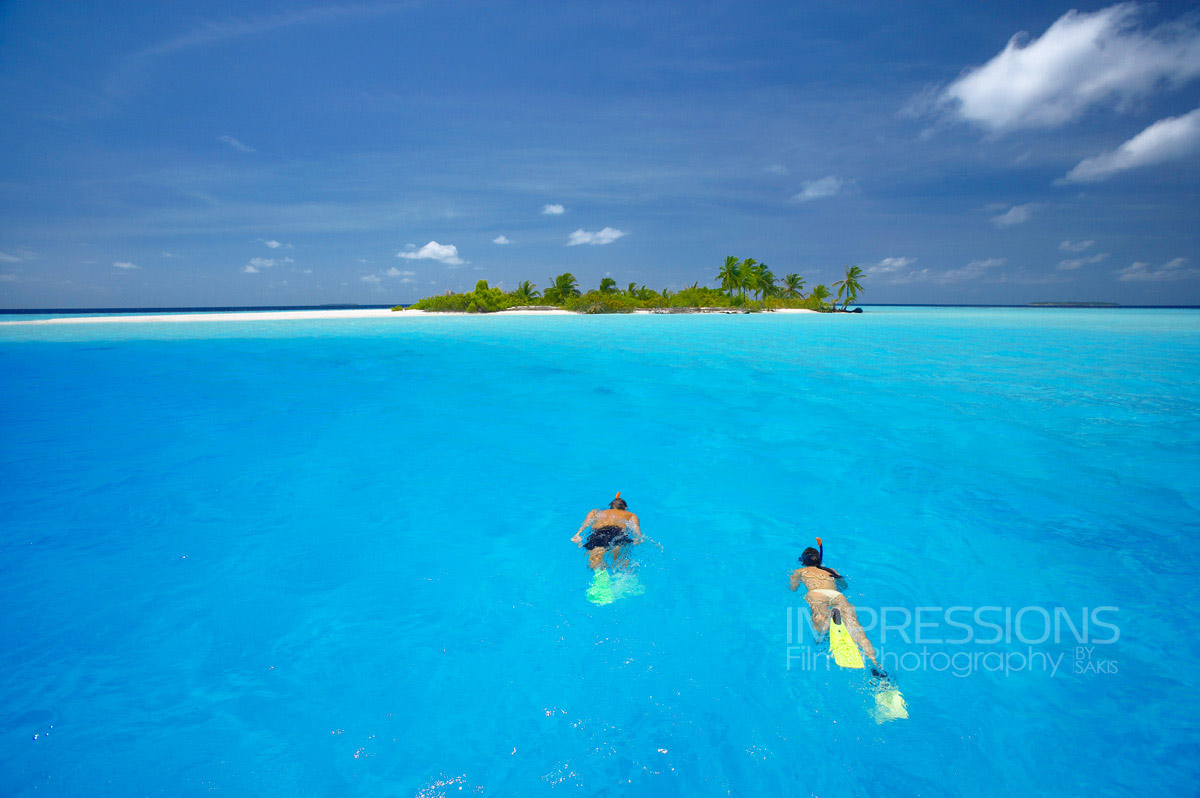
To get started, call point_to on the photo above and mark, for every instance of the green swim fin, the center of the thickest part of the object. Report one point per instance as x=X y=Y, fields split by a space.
x=600 y=591
x=841 y=644
x=626 y=585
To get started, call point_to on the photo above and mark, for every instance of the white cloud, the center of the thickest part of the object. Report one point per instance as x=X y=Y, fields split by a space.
x=777 y=169
x=237 y=145
x=596 y=238
x=18 y=256
x=124 y=264
x=974 y=270
x=266 y=263
x=250 y=269
x=889 y=266
x=370 y=278
x=553 y=210
x=166 y=254
x=817 y=189
x=1075 y=263
x=1075 y=246
x=1142 y=272
x=1166 y=140
x=1083 y=60
x=892 y=270
x=1017 y=214
x=501 y=240
x=445 y=253
x=406 y=276
x=273 y=244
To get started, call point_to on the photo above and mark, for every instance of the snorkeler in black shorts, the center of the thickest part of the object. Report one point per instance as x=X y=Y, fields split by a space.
x=611 y=529
x=607 y=537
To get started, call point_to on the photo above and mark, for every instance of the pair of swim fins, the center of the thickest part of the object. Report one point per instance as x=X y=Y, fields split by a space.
x=606 y=589
x=889 y=703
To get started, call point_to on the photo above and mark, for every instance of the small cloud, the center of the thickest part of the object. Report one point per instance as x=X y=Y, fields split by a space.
x=370 y=278
x=8 y=278
x=597 y=238
x=20 y=256
x=237 y=145
x=1166 y=140
x=893 y=270
x=1075 y=263
x=124 y=264
x=250 y=269
x=501 y=240
x=1142 y=272
x=166 y=254
x=444 y=253
x=974 y=270
x=273 y=244
x=266 y=263
x=553 y=210
x=306 y=271
x=1075 y=246
x=777 y=169
x=405 y=276
x=818 y=189
x=1017 y=214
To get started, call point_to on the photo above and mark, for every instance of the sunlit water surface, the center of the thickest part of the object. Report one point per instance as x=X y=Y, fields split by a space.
x=332 y=558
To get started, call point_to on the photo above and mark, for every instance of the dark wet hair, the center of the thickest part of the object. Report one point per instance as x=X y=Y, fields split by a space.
x=812 y=558
x=618 y=504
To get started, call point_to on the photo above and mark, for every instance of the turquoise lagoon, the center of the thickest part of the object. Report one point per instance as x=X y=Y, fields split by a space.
x=332 y=558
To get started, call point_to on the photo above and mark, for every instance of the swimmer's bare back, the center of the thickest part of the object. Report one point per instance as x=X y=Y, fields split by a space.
x=598 y=519
x=813 y=579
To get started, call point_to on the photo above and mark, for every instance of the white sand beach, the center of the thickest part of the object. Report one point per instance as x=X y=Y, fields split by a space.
x=287 y=315
x=275 y=315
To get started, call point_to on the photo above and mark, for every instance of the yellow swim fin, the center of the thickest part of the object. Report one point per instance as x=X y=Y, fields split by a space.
x=841 y=644
x=889 y=704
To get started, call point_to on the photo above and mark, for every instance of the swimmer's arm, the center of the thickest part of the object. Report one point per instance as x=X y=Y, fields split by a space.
x=636 y=526
x=578 y=538
x=796 y=578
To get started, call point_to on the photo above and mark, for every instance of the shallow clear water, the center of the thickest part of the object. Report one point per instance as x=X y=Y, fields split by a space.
x=332 y=557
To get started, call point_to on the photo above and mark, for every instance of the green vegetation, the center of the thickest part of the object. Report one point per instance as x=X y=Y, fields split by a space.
x=745 y=284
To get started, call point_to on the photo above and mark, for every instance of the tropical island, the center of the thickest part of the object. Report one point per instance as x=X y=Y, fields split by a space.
x=746 y=286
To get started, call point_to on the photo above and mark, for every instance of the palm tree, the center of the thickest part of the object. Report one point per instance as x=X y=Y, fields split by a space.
x=748 y=275
x=730 y=275
x=849 y=285
x=765 y=280
x=793 y=286
x=819 y=293
x=525 y=292
x=566 y=285
x=631 y=290
x=608 y=286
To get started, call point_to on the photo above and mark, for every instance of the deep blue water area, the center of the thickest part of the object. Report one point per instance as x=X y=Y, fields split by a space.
x=332 y=557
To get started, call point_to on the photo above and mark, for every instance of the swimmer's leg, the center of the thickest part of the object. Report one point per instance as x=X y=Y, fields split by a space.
x=819 y=606
x=596 y=558
x=850 y=619
x=620 y=558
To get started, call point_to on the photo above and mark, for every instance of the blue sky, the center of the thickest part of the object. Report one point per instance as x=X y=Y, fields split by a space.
x=305 y=153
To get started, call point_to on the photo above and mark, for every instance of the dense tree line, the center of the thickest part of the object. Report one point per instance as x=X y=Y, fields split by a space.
x=745 y=284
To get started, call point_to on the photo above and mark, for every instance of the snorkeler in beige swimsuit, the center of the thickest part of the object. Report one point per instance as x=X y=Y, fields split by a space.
x=824 y=598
